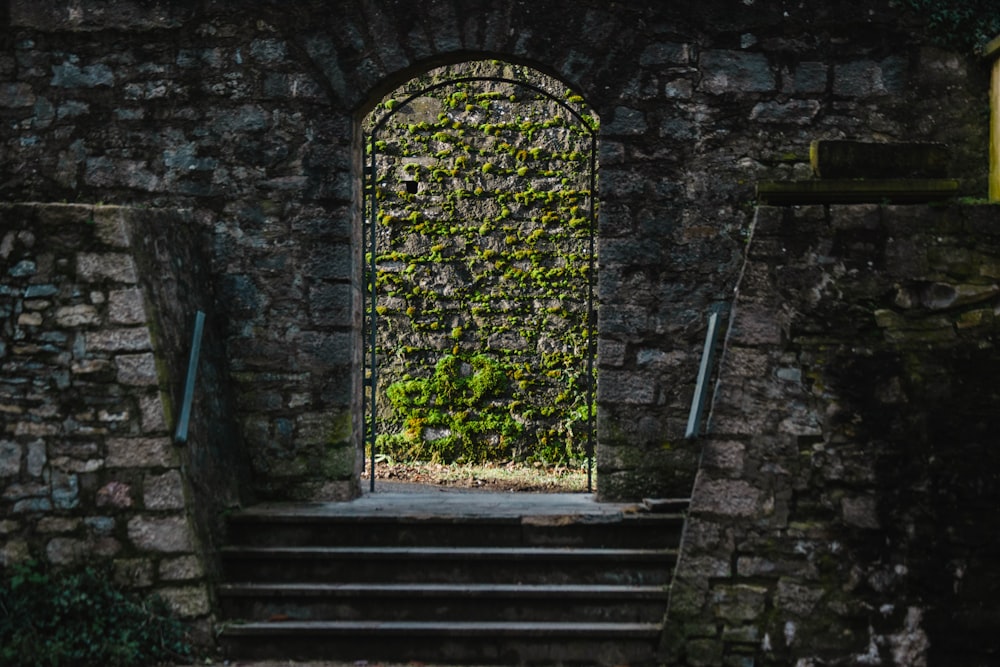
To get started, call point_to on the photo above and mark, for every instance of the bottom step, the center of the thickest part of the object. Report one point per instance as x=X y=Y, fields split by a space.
x=509 y=643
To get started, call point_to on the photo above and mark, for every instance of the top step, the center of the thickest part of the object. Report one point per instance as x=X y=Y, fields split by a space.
x=461 y=519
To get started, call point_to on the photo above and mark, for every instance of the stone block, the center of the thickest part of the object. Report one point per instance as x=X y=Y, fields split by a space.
x=136 y=369
x=739 y=602
x=119 y=340
x=54 y=524
x=151 y=408
x=703 y=652
x=860 y=511
x=704 y=567
x=126 y=306
x=610 y=352
x=625 y=387
x=756 y=324
x=133 y=572
x=65 y=491
x=16 y=95
x=116 y=267
x=14 y=551
x=726 y=455
x=161 y=534
x=332 y=304
x=321 y=351
x=626 y=121
x=796 y=597
x=114 y=494
x=807 y=77
x=11 y=455
x=665 y=53
x=66 y=550
x=734 y=498
x=123 y=15
x=163 y=492
x=736 y=72
x=868 y=78
x=794 y=112
x=183 y=568
x=76 y=316
x=187 y=601
x=37 y=458
x=103 y=526
x=140 y=453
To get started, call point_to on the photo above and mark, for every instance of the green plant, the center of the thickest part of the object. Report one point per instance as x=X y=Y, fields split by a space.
x=80 y=618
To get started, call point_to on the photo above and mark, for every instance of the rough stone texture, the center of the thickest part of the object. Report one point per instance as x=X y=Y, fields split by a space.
x=245 y=115
x=86 y=464
x=851 y=453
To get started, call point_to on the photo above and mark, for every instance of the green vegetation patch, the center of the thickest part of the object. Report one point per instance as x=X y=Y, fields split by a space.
x=80 y=618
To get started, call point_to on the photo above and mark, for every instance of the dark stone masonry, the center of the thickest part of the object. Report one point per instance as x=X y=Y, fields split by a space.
x=161 y=158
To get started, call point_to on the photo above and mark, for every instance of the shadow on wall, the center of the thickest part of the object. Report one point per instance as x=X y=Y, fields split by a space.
x=174 y=274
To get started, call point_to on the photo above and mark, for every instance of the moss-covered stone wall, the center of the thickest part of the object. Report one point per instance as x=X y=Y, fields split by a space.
x=484 y=266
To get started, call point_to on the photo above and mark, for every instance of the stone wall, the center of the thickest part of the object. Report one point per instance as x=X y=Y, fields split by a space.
x=843 y=508
x=249 y=116
x=88 y=469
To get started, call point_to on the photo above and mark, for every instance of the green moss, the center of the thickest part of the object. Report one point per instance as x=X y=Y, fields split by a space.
x=476 y=265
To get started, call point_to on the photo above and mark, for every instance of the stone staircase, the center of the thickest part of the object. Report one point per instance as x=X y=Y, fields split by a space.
x=411 y=579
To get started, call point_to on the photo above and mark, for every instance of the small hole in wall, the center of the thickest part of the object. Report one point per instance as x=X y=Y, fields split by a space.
x=411 y=187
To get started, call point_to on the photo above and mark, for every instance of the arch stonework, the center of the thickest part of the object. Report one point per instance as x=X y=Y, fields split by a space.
x=246 y=117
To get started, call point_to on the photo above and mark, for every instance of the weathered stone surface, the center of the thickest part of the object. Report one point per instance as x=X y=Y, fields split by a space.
x=161 y=534
x=162 y=492
x=183 y=568
x=126 y=306
x=736 y=72
x=119 y=340
x=114 y=494
x=10 y=458
x=710 y=98
x=740 y=602
x=188 y=601
x=735 y=498
x=117 y=267
x=140 y=453
x=75 y=316
x=136 y=369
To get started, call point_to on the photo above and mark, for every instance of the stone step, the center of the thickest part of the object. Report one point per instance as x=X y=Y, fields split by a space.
x=529 y=565
x=269 y=528
x=449 y=642
x=444 y=602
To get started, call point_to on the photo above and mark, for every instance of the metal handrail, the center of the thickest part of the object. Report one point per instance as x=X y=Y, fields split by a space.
x=704 y=373
x=181 y=433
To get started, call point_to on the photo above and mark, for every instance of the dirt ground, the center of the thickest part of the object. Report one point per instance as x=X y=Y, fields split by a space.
x=504 y=477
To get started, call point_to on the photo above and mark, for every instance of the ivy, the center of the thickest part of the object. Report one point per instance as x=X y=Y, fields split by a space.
x=80 y=618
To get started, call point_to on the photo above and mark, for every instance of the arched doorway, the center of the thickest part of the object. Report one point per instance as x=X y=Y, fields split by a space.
x=480 y=270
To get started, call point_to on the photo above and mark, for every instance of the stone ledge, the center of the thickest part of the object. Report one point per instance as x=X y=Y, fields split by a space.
x=857 y=191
